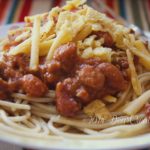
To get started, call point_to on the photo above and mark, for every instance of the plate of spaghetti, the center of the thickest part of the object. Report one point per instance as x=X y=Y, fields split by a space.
x=73 y=78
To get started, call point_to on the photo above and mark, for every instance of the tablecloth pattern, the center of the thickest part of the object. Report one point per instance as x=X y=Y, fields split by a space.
x=134 y=11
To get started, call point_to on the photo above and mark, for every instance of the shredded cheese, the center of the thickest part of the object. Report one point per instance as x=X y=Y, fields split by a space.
x=142 y=49
x=134 y=79
x=144 y=58
x=103 y=53
x=34 y=57
x=24 y=47
x=63 y=36
x=24 y=35
x=44 y=47
x=21 y=48
x=84 y=33
x=87 y=53
x=46 y=29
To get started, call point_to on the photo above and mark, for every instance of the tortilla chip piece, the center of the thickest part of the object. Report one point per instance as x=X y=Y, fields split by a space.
x=98 y=109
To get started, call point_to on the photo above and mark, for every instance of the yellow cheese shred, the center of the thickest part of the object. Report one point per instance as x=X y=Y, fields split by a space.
x=35 y=42
x=134 y=79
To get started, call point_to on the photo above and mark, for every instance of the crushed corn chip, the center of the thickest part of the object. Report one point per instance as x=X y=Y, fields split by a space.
x=103 y=53
x=87 y=53
x=89 y=41
x=97 y=108
x=110 y=99
x=84 y=33
x=77 y=22
x=73 y=4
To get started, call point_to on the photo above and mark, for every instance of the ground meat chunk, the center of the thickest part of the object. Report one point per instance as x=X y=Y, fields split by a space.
x=53 y=66
x=77 y=81
x=63 y=63
x=114 y=77
x=71 y=84
x=91 y=77
x=6 y=88
x=10 y=73
x=7 y=72
x=18 y=62
x=12 y=69
x=77 y=90
x=83 y=95
x=65 y=102
x=90 y=61
x=123 y=63
x=4 y=85
x=51 y=73
x=33 y=86
x=66 y=55
x=90 y=82
x=3 y=95
x=108 y=40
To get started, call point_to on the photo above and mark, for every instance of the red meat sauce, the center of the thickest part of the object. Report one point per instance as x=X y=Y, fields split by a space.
x=76 y=81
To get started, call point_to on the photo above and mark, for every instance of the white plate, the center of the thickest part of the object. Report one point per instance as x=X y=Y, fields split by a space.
x=142 y=141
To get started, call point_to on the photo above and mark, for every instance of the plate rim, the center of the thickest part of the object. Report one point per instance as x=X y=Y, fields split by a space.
x=75 y=144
